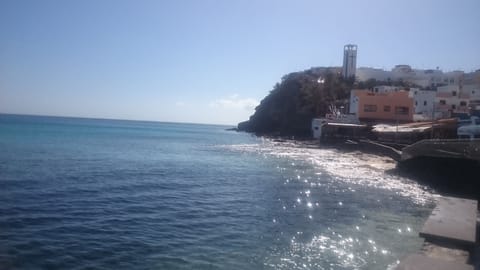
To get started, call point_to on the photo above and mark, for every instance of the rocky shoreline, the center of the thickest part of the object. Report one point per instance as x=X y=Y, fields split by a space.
x=450 y=177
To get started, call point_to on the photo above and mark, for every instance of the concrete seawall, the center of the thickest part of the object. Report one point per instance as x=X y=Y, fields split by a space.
x=453 y=148
x=450 y=235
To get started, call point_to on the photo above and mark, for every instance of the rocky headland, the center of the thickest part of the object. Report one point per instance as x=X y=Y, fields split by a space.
x=298 y=98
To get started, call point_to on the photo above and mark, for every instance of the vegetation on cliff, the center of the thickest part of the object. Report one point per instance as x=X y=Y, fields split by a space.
x=300 y=96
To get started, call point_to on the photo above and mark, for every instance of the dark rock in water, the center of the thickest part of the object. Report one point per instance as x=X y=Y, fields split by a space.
x=232 y=129
x=244 y=126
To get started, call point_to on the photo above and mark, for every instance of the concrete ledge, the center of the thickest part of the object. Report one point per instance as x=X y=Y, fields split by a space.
x=445 y=252
x=453 y=220
x=420 y=262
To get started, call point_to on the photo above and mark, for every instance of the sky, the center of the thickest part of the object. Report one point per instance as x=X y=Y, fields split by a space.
x=209 y=61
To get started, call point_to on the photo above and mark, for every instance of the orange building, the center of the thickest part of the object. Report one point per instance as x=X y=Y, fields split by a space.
x=390 y=106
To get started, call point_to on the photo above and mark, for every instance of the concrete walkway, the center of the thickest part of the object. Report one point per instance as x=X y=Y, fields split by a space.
x=453 y=220
x=450 y=237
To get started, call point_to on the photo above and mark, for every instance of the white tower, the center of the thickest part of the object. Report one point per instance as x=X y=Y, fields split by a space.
x=349 y=60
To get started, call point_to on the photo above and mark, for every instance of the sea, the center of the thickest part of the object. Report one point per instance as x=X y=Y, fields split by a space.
x=112 y=194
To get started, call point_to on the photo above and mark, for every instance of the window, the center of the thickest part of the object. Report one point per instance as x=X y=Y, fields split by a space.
x=369 y=108
x=401 y=110
x=454 y=107
x=386 y=108
x=463 y=103
x=424 y=103
x=416 y=103
x=442 y=102
x=454 y=93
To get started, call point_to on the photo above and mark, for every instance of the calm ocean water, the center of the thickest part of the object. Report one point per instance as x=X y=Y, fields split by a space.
x=109 y=194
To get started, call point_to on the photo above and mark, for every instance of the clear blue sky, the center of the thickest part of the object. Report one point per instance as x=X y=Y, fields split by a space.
x=208 y=61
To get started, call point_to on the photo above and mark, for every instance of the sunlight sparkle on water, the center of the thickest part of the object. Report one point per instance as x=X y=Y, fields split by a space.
x=355 y=168
x=345 y=178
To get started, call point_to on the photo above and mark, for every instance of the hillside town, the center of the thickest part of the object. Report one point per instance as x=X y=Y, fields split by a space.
x=404 y=101
x=436 y=94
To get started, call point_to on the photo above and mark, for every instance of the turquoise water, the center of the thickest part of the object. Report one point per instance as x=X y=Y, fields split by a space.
x=111 y=194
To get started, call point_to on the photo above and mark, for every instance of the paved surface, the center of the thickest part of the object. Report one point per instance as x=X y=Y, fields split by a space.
x=420 y=262
x=450 y=254
x=454 y=220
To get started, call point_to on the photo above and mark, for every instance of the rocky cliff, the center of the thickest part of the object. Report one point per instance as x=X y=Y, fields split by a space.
x=300 y=96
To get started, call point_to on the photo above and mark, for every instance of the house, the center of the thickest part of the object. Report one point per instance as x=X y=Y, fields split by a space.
x=384 y=106
x=423 y=101
x=451 y=100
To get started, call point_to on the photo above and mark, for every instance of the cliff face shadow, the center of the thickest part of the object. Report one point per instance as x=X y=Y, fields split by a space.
x=450 y=177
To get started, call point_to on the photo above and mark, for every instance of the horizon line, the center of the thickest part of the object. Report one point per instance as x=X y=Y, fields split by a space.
x=115 y=119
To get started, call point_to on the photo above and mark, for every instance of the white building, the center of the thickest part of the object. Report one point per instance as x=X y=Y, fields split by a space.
x=472 y=77
x=353 y=107
x=421 y=77
x=365 y=73
x=472 y=92
x=349 y=60
x=427 y=77
x=449 y=100
x=423 y=102
x=402 y=72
